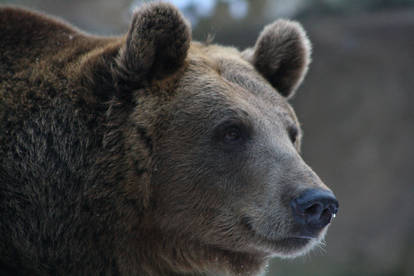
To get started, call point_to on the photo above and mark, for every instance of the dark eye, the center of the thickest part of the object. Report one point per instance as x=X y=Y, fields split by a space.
x=231 y=134
x=293 y=134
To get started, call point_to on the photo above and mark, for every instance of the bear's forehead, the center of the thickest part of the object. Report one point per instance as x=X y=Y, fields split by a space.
x=225 y=64
x=220 y=74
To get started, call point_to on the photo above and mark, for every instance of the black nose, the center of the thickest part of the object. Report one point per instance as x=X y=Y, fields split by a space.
x=314 y=209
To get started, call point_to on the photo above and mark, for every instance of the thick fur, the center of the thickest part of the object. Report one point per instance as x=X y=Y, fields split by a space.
x=111 y=159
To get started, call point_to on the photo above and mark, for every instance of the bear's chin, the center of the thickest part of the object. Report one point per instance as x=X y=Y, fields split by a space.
x=292 y=247
x=287 y=246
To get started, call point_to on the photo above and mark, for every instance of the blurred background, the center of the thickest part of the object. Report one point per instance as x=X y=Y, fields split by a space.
x=356 y=106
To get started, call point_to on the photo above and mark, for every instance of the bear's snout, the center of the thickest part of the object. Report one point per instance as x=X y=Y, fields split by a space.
x=313 y=209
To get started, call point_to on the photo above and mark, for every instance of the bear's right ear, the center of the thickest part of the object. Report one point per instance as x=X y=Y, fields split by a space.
x=156 y=46
x=281 y=55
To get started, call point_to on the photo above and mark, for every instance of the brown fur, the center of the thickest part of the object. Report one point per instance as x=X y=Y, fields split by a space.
x=112 y=158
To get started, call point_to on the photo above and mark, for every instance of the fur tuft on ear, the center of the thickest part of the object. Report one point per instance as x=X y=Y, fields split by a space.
x=282 y=55
x=156 y=45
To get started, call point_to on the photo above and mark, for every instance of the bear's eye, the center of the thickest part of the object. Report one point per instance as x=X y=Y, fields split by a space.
x=230 y=133
x=293 y=133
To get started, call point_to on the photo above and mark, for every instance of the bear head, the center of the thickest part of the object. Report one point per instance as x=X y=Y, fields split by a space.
x=214 y=146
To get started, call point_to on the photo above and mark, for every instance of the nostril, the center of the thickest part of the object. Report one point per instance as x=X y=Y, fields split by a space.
x=314 y=210
x=317 y=214
x=326 y=215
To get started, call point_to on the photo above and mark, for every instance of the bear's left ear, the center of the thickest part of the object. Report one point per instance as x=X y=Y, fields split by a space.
x=282 y=55
x=156 y=45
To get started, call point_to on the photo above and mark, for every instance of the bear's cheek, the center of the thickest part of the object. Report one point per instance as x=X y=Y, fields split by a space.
x=217 y=199
x=263 y=210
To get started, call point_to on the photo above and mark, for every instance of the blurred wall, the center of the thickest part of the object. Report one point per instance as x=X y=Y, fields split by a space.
x=357 y=111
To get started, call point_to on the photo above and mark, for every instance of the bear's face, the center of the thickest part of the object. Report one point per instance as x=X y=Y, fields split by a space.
x=221 y=142
x=227 y=158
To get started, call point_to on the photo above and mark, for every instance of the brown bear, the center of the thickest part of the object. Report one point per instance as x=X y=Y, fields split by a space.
x=151 y=154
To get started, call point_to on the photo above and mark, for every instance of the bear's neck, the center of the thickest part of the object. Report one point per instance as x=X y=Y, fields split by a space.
x=166 y=256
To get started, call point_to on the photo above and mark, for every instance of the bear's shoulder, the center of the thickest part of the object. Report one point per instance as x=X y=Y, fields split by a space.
x=27 y=35
x=42 y=55
x=21 y=28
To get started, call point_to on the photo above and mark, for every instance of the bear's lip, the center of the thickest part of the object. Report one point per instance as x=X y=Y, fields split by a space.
x=300 y=237
x=246 y=223
x=295 y=240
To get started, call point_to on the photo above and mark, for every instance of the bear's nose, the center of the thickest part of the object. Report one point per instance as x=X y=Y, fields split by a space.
x=314 y=209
